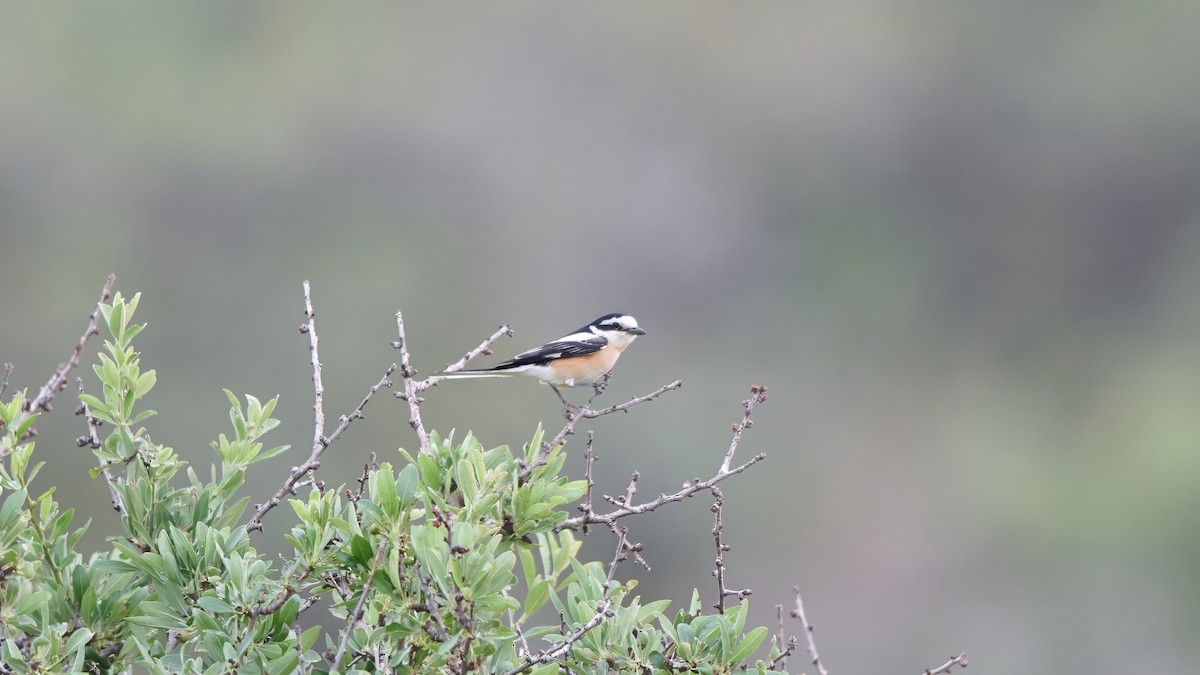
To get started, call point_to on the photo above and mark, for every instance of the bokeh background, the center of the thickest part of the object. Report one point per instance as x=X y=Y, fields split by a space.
x=958 y=241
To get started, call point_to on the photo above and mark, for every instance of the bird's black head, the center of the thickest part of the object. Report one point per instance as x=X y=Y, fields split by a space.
x=616 y=322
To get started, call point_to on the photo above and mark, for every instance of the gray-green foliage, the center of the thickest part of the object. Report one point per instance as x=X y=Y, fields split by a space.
x=454 y=554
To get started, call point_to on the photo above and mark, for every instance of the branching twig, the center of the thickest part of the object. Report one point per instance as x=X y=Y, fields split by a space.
x=310 y=327
x=8 y=368
x=602 y=612
x=624 y=407
x=362 y=601
x=626 y=507
x=589 y=456
x=798 y=613
x=93 y=440
x=484 y=349
x=722 y=548
x=58 y=380
x=757 y=395
x=960 y=660
x=574 y=414
x=413 y=387
x=320 y=441
x=688 y=490
x=620 y=555
x=780 y=662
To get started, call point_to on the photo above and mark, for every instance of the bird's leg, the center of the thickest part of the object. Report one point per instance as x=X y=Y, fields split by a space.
x=602 y=384
x=569 y=409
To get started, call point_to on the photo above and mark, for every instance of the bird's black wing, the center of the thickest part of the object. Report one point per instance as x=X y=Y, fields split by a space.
x=577 y=344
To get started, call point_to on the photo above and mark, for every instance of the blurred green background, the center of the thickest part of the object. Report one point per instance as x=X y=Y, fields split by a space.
x=958 y=241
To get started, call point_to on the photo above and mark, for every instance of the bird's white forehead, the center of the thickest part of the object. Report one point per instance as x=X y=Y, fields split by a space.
x=626 y=321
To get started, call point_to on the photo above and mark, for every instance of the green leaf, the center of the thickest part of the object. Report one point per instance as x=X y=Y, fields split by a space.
x=406 y=486
x=285 y=664
x=215 y=605
x=145 y=383
x=385 y=490
x=11 y=506
x=538 y=595
x=309 y=637
x=113 y=567
x=747 y=646
x=360 y=548
x=268 y=454
x=78 y=639
x=33 y=600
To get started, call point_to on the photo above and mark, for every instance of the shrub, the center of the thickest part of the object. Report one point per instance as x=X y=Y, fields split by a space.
x=446 y=559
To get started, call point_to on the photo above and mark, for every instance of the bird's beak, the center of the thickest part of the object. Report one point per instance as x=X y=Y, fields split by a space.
x=635 y=331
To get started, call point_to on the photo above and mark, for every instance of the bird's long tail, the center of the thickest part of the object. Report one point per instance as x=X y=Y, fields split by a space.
x=467 y=374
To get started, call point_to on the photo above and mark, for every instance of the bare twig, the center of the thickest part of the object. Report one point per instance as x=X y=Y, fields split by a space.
x=413 y=387
x=589 y=456
x=798 y=613
x=960 y=660
x=624 y=407
x=574 y=414
x=620 y=554
x=362 y=601
x=484 y=349
x=688 y=490
x=603 y=611
x=757 y=395
x=780 y=662
x=58 y=380
x=92 y=439
x=370 y=466
x=320 y=441
x=310 y=327
x=722 y=548
x=8 y=368
x=625 y=506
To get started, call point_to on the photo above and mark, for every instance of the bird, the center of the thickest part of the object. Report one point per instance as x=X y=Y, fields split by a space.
x=584 y=356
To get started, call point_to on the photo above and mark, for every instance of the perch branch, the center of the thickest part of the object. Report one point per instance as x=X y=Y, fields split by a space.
x=960 y=660
x=58 y=380
x=320 y=441
x=798 y=613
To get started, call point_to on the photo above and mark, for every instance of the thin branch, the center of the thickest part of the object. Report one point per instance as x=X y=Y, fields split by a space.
x=370 y=466
x=798 y=613
x=589 y=456
x=780 y=662
x=92 y=439
x=602 y=612
x=757 y=395
x=320 y=442
x=722 y=549
x=362 y=601
x=574 y=414
x=688 y=490
x=619 y=556
x=960 y=660
x=412 y=388
x=484 y=349
x=310 y=327
x=8 y=368
x=58 y=381
x=624 y=407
